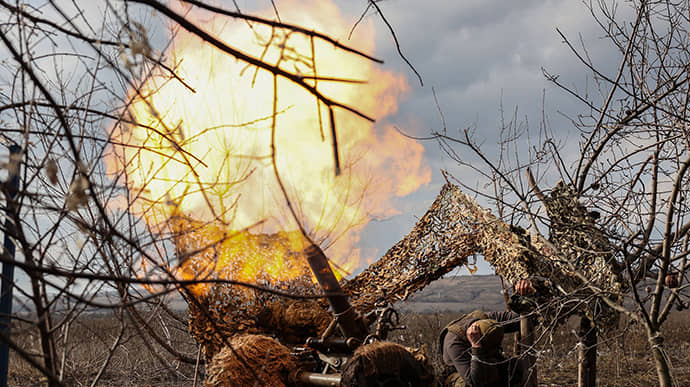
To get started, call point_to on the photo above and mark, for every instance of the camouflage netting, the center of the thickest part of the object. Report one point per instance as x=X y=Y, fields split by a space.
x=574 y=233
x=250 y=359
x=453 y=229
x=222 y=314
x=387 y=364
x=456 y=227
x=219 y=311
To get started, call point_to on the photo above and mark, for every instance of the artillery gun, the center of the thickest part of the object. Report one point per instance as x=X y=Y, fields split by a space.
x=349 y=347
x=333 y=359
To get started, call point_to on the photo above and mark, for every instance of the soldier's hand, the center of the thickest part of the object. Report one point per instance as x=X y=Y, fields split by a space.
x=474 y=335
x=524 y=287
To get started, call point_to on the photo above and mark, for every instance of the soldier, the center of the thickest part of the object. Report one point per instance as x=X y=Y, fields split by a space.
x=472 y=344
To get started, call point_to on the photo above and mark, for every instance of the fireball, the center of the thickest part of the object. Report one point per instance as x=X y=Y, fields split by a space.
x=207 y=156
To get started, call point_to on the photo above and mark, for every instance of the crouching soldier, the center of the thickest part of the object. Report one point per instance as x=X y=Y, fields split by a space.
x=472 y=344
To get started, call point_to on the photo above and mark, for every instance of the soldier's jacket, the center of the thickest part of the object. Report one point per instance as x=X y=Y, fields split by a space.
x=479 y=367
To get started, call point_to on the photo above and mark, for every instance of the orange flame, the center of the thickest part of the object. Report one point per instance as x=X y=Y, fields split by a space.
x=205 y=156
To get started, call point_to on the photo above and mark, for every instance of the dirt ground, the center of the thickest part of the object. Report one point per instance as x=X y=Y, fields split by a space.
x=623 y=355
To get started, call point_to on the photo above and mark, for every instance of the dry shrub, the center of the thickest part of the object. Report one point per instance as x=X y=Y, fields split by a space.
x=250 y=360
x=294 y=321
x=387 y=364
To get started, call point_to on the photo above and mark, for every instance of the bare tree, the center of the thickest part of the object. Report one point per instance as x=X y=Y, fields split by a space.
x=73 y=80
x=631 y=177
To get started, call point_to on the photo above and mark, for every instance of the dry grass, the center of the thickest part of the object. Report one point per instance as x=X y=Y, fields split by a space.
x=135 y=362
x=623 y=360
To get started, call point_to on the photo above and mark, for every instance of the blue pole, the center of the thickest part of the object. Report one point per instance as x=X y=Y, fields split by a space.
x=8 y=268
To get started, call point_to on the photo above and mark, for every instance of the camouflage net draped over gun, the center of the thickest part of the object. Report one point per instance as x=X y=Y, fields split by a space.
x=455 y=228
x=219 y=311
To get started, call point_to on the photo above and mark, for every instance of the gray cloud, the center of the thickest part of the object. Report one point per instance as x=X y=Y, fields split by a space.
x=476 y=54
x=473 y=52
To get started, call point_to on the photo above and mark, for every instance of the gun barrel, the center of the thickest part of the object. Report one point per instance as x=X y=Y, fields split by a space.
x=316 y=379
x=351 y=324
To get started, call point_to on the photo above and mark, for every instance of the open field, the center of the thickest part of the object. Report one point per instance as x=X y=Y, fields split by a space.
x=624 y=358
x=135 y=362
x=457 y=294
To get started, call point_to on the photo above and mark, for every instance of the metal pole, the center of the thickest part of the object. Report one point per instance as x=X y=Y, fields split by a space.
x=8 y=268
x=315 y=379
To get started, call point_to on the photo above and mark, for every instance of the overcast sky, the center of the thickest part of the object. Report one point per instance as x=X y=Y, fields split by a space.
x=474 y=54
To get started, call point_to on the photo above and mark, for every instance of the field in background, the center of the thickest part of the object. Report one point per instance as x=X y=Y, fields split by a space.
x=136 y=362
x=624 y=360
x=458 y=294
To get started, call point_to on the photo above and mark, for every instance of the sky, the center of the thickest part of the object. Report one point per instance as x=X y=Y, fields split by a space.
x=476 y=55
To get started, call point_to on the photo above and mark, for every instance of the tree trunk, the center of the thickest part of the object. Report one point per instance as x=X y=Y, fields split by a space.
x=526 y=342
x=656 y=341
x=587 y=354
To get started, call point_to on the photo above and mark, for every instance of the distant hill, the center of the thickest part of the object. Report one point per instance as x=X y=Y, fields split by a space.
x=452 y=294
x=458 y=294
